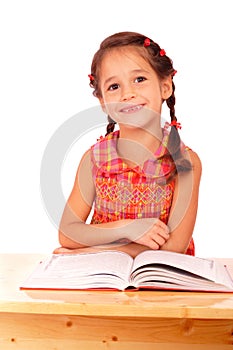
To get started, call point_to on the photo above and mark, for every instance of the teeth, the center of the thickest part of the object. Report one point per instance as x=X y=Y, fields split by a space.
x=132 y=109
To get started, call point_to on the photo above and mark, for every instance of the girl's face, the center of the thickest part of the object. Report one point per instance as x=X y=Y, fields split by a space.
x=129 y=85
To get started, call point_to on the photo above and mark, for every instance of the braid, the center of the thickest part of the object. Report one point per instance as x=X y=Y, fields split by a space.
x=161 y=64
x=174 y=137
x=171 y=103
x=111 y=125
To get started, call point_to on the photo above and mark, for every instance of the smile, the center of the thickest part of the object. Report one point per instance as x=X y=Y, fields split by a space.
x=131 y=109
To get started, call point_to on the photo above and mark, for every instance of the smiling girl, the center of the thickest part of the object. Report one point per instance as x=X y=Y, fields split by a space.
x=141 y=180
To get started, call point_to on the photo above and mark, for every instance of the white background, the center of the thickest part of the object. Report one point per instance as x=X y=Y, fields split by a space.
x=46 y=52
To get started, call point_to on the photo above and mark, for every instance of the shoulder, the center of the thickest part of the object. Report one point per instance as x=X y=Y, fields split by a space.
x=104 y=149
x=192 y=156
x=105 y=139
x=195 y=161
x=84 y=164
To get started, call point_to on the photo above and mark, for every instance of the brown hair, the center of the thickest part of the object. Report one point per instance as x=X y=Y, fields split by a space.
x=162 y=65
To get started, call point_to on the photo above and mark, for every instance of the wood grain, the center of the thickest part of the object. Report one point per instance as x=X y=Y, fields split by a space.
x=58 y=320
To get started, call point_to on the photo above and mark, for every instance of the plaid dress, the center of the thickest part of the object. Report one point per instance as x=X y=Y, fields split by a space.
x=123 y=192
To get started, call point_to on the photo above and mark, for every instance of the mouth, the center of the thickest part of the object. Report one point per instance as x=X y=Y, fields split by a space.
x=131 y=109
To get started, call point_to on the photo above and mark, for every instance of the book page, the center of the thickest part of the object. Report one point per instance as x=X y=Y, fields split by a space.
x=206 y=268
x=108 y=269
x=151 y=276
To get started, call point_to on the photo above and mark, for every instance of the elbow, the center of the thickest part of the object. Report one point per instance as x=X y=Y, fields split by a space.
x=62 y=239
x=67 y=242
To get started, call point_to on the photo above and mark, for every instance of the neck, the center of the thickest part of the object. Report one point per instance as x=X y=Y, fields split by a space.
x=136 y=145
x=150 y=139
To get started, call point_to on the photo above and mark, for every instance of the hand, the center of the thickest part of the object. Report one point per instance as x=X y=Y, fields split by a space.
x=155 y=236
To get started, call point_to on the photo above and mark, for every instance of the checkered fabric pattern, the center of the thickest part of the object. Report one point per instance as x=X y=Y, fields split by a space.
x=124 y=192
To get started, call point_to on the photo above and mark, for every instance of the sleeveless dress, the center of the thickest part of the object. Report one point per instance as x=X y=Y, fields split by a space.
x=123 y=192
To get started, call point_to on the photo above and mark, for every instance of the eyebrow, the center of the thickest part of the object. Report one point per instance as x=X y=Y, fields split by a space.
x=135 y=71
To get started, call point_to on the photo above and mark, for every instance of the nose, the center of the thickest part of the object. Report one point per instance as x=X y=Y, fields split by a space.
x=128 y=93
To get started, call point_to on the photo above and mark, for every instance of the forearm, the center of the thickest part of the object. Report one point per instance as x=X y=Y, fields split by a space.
x=175 y=246
x=79 y=234
x=132 y=249
x=178 y=240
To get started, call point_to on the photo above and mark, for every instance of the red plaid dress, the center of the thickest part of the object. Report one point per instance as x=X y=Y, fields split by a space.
x=123 y=192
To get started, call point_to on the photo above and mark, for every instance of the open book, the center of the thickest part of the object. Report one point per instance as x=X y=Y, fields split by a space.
x=116 y=270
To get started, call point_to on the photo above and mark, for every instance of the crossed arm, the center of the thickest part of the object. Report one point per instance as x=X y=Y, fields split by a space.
x=76 y=236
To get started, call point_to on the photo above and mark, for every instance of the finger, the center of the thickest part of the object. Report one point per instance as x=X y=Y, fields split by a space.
x=150 y=243
x=162 y=225
x=163 y=234
x=153 y=245
x=159 y=240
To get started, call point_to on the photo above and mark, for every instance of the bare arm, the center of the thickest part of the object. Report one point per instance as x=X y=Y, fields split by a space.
x=184 y=208
x=74 y=233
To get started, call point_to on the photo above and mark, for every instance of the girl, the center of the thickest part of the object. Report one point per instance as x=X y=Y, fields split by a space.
x=141 y=180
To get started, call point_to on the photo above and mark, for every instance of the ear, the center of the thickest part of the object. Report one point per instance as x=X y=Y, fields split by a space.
x=166 y=88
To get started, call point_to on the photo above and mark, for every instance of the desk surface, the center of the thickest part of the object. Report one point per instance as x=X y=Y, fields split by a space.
x=14 y=268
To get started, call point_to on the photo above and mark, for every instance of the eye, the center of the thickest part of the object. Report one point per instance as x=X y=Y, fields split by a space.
x=140 y=79
x=113 y=87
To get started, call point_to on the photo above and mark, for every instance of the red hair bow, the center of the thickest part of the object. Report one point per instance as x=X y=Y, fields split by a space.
x=162 y=52
x=147 y=42
x=176 y=124
x=90 y=76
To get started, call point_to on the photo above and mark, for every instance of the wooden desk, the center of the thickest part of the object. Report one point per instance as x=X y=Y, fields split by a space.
x=46 y=320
